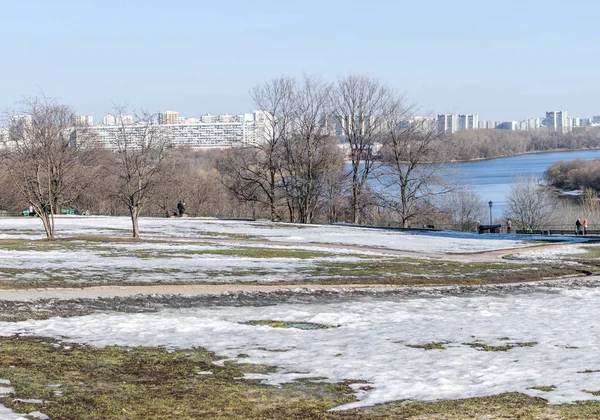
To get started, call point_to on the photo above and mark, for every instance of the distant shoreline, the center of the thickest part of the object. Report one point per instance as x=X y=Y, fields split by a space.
x=522 y=154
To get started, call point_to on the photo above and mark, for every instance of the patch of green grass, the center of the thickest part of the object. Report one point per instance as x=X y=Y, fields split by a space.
x=596 y=393
x=589 y=371
x=485 y=347
x=544 y=388
x=429 y=346
x=82 y=382
x=272 y=350
x=261 y=253
x=504 y=406
x=590 y=253
x=241 y=252
x=288 y=324
x=150 y=383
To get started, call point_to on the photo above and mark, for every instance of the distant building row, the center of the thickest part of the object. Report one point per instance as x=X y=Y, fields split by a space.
x=205 y=132
x=554 y=121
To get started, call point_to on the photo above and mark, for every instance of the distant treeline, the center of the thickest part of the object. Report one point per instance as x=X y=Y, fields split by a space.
x=574 y=174
x=488 y=144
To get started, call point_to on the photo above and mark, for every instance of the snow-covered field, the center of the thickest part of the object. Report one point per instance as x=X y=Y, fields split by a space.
x=560 y=326
x=120 y=262
x=431 y=242
x=553 y=334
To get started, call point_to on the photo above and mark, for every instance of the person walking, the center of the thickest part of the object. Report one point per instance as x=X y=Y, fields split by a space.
x=585 y=226
x=508 y=226
x=578 y=227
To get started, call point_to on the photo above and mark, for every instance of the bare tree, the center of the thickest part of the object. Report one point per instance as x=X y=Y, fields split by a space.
x=141 y=148
x=465 y=208
x=531 y=204
x=359 y=106
x=412 y=170
x=42 y=159
x=589 y=204
x=252 y=172
x=310 y=153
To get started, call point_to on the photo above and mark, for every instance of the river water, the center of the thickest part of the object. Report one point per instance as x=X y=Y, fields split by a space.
x=492 y=178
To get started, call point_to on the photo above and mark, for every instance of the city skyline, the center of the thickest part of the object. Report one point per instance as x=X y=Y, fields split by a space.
x=200 y=57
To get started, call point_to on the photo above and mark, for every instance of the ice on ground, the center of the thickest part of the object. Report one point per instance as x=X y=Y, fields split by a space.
x=38 y=415
x=442 y=242
x=553 y=336
x=77 y=265
x=8 y=414
x=550 y=254
x=4 y=390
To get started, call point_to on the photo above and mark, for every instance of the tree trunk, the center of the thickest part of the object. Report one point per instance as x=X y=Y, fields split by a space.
x=47 y=226
x=356 y=203
x=134 y=212
x=355 y=193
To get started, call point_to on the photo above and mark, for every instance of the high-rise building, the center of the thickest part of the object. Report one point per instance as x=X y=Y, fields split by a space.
x=83 y=120
x=557 y=121
x=472 y=122
x=447 y=123
x=575 y=122
x=468 y=122
x=168 y=117
x=109 y=120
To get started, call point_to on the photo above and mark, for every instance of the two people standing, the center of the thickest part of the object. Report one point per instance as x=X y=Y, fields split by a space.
x=581 y=228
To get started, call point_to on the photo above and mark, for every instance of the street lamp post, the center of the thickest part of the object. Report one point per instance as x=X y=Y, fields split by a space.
x=490 y=204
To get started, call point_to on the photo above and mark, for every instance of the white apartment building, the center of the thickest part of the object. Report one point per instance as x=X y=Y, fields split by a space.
x=168 y=117
x=83 y=120
x=451 y=123
x=221 y=130
x=557 y=121
x=468 y=122
x=447 y=123
x=472 y=122
x=3 y=138
x=211 y=131
x=111 y=119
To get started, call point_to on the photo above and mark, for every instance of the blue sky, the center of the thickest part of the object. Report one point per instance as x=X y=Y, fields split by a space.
x=502 y=60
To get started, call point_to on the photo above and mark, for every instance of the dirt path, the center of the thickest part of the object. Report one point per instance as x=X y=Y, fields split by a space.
x=184 y=290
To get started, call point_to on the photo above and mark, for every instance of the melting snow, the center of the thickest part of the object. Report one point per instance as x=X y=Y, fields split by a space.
x=371 y=342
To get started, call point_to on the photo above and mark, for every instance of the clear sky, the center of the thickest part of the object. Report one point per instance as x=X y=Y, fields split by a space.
x=504 y=60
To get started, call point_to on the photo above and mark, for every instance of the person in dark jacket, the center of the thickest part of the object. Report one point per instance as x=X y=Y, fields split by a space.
x=578 y=227
x=181 y=208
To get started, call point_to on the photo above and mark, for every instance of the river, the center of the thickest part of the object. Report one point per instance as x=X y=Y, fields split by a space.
x=492 y=178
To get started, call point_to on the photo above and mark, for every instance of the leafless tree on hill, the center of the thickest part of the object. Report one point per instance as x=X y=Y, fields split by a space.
x=530 y=204
x=252 y=172
x=141 y=148
x=412 y=170
x=359 y=105
x=310 y=154
x=43 y=159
